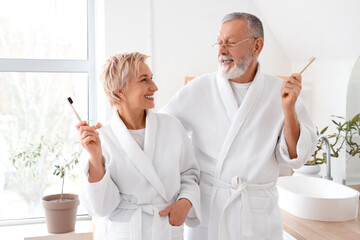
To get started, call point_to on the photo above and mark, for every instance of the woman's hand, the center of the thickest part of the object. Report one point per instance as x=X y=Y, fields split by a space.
x=177 y=212
x=89 y=139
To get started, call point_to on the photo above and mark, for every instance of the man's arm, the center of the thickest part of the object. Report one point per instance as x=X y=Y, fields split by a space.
x=291 y=132
x=289 y=93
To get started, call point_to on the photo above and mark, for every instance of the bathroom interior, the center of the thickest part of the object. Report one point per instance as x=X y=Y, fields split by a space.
x=51 y=50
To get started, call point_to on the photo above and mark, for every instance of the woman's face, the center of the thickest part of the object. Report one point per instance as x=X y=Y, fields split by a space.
x=139 y=92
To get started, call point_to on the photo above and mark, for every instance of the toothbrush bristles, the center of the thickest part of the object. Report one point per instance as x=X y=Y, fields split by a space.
x=71 y=102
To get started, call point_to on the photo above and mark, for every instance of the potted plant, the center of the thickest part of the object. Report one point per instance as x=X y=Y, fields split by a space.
x=344 y=134
x=60 y=209
x=342 y=138
x=36 y=160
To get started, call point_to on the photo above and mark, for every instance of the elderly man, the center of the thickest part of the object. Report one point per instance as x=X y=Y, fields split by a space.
x=244 y=124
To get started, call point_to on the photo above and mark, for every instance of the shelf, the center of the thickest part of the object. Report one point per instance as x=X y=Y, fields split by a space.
x=83 y=231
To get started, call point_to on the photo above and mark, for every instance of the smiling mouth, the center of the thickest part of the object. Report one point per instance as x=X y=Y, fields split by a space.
x=226 y=62
x=149 y=97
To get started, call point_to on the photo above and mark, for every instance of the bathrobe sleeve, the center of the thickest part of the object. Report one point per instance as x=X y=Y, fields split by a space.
x=307 y=140
x=175 y=107
x=190 y=178
x=100 y=198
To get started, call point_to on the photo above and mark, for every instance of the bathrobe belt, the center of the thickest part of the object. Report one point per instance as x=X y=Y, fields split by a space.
x=238 y=188
x=161 y=229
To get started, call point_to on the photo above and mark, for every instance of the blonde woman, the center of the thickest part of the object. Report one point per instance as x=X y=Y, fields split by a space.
x=141 y=176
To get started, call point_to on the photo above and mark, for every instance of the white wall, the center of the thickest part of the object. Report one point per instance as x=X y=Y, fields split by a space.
x=126 y=26
x=178 y=35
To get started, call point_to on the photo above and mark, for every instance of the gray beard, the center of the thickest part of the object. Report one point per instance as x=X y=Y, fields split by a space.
x=236 y=71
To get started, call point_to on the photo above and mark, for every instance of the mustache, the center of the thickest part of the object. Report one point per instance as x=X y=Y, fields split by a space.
x=224 y=58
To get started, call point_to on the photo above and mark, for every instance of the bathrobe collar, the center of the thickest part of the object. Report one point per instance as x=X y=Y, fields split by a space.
x=142 y=160
x=227 y=96
x=150 y=135
x=236 y=115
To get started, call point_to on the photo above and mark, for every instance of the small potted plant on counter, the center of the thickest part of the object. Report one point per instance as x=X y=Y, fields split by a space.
x=61 y=209
x=34 y=163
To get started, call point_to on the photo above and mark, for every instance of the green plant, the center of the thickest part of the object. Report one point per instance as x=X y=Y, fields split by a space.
x=59 y=153
x=343 y=137
x=64 y=161
x=28 y=172
x=29 y=156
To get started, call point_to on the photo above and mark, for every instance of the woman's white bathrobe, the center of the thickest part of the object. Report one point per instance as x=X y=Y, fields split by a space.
x=239 y=150
x=140 y=183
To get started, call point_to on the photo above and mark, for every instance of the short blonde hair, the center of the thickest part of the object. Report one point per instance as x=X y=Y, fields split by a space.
x=117 y=71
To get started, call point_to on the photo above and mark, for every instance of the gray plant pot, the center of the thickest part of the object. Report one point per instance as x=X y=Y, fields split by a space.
x=60 y=215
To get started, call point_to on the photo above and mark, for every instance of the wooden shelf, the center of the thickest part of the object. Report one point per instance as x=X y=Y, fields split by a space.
x=83 y=231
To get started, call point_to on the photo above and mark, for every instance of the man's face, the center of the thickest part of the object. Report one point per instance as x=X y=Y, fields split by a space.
x=234 y=61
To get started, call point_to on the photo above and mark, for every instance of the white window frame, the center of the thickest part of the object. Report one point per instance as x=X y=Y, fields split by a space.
x=61 y=66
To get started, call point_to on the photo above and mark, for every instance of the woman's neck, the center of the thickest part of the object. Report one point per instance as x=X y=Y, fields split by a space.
x=132 y=119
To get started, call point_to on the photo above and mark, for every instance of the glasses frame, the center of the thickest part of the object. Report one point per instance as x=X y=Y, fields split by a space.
x=228 y=46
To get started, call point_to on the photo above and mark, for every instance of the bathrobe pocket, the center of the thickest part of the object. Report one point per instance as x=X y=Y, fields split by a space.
x=260 y=210
x=177 y=232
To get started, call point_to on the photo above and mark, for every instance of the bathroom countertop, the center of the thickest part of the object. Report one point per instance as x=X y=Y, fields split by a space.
x=304 y=229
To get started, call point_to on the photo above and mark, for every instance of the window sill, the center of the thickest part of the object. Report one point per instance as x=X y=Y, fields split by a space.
x=83 y=231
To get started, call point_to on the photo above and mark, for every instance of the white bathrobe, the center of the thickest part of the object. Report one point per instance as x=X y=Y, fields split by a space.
x=239 y=150
x=140 y=183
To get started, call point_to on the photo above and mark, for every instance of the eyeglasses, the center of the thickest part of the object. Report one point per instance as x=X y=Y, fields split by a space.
x=228 y=46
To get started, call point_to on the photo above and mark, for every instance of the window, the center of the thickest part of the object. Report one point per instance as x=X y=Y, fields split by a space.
x=46 y=55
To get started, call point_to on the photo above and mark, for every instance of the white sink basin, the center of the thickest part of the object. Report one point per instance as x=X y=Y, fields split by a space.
x=317 y=199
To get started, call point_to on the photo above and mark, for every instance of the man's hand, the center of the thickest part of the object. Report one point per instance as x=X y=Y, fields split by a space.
x=290 y=91
x=177 y=212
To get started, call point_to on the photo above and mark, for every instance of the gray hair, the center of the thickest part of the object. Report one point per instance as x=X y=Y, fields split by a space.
x=255 y=27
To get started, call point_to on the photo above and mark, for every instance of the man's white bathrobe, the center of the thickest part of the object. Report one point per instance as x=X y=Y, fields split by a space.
x=239 y=150
x=140 y=183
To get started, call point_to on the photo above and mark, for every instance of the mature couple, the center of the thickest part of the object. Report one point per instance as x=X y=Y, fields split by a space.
x=146 y=178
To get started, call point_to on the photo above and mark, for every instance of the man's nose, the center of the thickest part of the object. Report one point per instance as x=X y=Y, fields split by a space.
x=222 y=50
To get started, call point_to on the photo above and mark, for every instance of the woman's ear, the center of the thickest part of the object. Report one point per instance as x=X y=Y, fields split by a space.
x=120 y=94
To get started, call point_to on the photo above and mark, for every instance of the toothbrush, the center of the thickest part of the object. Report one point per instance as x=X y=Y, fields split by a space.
x=311 y=60
x=71 y=102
